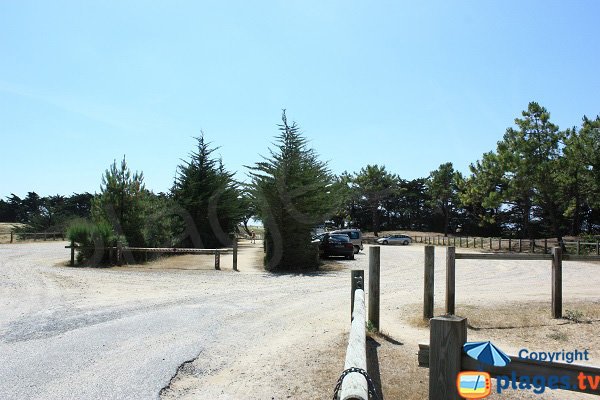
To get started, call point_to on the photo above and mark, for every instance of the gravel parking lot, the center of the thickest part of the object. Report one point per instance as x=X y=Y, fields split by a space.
x=155 y=331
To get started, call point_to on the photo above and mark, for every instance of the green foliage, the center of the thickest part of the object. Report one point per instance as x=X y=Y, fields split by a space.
x=210 y=196
x=92 y=238
x=376 y=186
x=45 y=214
x=443 y=186
x=122 y=203
x=292 y=189
x=522 y=175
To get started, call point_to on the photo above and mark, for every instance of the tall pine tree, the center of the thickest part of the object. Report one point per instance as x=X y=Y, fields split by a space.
x=210 y=197
x=292 y=191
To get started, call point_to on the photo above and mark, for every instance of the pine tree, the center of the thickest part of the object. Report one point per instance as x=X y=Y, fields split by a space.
x=210 y=196
x=292 y=191
x=122 y=203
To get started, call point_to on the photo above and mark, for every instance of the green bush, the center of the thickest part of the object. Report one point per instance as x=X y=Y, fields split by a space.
x=92 y=240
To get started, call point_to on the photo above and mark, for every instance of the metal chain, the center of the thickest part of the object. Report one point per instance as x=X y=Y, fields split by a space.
x=370 y=384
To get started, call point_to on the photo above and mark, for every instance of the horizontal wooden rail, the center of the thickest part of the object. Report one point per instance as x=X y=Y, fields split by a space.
x=354 y=386
x=573 y=257
x=159 y=249
x=35 y=235
x=502 y=256
x=523 y=367
x=162 y=250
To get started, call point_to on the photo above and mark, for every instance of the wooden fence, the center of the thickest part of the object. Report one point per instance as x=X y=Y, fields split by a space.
x=119 y=252
x=355 y=386
x=445 y=358
x=36 y=235
x=557 y=257
x=512 y=245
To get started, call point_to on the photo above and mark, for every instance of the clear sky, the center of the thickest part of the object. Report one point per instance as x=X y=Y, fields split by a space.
x=402 y=83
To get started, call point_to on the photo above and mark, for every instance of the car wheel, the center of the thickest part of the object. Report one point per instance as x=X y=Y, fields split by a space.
x=385 y=242
x=356 y=249
x=405 y=242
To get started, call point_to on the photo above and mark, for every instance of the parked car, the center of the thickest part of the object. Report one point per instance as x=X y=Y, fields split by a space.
x=395 y=239
x=335 y=245
x=355 y=236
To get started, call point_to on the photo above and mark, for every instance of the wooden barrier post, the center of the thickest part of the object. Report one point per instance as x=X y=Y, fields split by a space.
x=217 y=260
x=374 y=285
x=545 y=246
x=235 y=253
x=11 y=236
x=428 y=282
x=490 y=243
x=499 y=243
x=509 y=244
x=467 y=242
x=460 y=241
x=578 y=247
x=556 y=282
x=446 y=338
x=119 y=254
x=520 y=245
x=72 y=253
x=450 y=279
x=357 y=279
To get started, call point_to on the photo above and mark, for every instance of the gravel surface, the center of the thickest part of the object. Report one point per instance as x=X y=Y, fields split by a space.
x=147 y=333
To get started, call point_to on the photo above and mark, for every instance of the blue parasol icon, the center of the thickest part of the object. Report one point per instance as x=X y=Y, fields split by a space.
x=486 y=353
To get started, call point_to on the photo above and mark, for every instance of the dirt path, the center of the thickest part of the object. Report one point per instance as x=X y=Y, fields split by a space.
x=178 y=329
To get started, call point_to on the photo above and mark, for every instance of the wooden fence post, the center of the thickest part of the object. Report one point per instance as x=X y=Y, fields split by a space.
x=450 y=279
x=72 y=253
x=235 y=253
x=545 y=246
x=520 y=245
x=217 y=260
x=460 y=241
x=374 y=285
x=11 y=236
x=509 y=244
x=357 y=279
x=490 y=243
x=446 y=337
x=556 y=282
x=428 y=282
x=467 y=242
x=499 y=243
x=578 y=247
x=119 y=253
x=532 y=245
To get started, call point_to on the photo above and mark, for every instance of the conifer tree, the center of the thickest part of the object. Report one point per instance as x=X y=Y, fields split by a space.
x=292 y=192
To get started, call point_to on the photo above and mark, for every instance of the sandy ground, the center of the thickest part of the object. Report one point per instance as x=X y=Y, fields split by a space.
x=175 y=328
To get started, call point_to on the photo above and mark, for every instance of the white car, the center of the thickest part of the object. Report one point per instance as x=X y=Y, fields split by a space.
x=395 y=239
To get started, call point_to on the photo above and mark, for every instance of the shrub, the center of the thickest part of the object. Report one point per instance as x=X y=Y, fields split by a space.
x=92 y=240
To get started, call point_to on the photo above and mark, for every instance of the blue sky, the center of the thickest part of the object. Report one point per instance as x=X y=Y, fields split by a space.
x=406 y=84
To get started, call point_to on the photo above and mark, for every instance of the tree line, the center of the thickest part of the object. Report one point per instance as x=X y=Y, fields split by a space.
x=540 y=181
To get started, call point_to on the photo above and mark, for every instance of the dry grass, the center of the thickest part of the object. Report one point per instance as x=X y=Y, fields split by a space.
x=5 y=228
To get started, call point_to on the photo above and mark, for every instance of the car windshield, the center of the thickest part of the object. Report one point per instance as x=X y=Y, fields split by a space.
x=339 y=238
